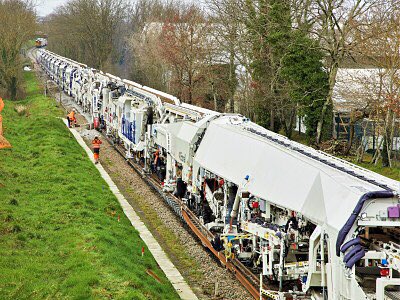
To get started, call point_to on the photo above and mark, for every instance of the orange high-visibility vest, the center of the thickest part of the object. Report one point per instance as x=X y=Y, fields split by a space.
x=96 y=144
x=71 y=115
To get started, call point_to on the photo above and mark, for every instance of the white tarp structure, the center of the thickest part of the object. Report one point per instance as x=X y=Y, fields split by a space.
x=182 y=135
x=281 y=176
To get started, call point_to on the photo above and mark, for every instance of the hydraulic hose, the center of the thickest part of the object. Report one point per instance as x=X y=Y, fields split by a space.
x=350 y=221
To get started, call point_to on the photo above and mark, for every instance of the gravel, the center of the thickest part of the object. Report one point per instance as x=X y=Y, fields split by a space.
x=89 y=134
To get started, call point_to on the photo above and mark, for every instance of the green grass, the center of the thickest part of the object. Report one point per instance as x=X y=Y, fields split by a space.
x=59 y=234
x=393 y=172
x=31 y=43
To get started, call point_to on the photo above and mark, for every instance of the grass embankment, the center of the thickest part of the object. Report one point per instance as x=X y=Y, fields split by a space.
x=59 y=230
x=393 y=172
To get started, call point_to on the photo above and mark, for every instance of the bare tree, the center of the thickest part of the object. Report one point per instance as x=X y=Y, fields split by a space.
x=18 y=23
x=149 y=67
x=383 y=49
x=335 y=23
x=89 y=31
x=358 y=92
x=185 y=47
x=146 y=61
x=227 y=31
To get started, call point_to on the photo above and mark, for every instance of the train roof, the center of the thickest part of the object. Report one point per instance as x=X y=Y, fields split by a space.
x=200 y=109
x=64 y=59
x=293 y=176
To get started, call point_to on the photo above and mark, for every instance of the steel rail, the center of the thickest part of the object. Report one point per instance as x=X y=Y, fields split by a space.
x=250 y=281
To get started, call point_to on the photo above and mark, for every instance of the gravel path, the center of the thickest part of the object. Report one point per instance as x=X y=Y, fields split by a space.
x=205 y=271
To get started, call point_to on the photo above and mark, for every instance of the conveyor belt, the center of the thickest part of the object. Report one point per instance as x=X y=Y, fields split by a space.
x=393 y=295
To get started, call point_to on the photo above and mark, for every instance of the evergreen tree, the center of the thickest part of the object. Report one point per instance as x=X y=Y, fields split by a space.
x=279 y=41
x=308 y=81
x=261 y=69
x=286 y=68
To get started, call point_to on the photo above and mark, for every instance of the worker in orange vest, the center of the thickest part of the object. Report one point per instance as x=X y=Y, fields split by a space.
x=71 y=118
x=96 y=148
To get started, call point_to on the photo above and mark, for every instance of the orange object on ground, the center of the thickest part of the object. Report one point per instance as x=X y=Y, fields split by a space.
x=3 y=142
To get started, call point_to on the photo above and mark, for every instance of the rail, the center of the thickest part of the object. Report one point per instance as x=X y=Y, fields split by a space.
x=248 y=279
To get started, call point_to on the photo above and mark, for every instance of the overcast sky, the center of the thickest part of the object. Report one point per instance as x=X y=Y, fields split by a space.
x=45 y=7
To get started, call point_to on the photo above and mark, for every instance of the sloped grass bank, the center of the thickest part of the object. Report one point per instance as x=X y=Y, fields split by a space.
x=393 y=173
x=59 y=230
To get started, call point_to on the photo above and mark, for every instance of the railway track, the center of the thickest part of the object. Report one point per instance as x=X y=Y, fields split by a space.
x=248 y=279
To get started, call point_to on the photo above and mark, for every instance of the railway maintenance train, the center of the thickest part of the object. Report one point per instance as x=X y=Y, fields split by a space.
x=305 y=224
x=40 y=42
